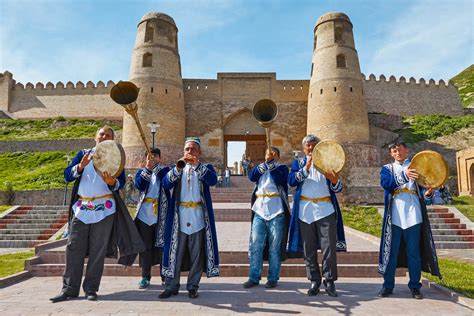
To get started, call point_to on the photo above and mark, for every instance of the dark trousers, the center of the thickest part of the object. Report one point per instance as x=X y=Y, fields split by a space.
x=412 y=237
x=147 y=233
x=193 y=243
x=94 y=237
x=323 y=232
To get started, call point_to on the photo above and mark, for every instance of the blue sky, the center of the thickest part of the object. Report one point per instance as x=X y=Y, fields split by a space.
x=62 y=40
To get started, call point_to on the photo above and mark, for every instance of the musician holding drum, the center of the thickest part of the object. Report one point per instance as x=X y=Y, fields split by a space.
x=406 y=234
x=96 y=210
x=316 y=220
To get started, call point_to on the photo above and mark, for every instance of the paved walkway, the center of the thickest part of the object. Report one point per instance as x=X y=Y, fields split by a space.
x=225 y=296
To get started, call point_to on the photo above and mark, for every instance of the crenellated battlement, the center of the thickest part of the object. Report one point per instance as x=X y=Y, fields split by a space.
x=411 y=81
x=61 y=86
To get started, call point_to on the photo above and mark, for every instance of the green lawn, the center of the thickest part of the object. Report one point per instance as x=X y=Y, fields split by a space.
x=54 y=128
x=363 y=218
x=465 y=204
x=3 y=208
x=33 y=171
x=422 y=127
x=457 y=275
x=13 y=263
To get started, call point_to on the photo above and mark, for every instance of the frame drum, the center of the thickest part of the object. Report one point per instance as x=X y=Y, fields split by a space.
x=109 y=156
x=432 y=168
x=329 y=155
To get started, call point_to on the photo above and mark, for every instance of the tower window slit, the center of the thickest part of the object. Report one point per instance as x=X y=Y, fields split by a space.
x=335 y=89
x=321 y=91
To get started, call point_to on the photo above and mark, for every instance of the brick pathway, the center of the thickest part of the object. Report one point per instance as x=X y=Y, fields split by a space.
x=224 y=296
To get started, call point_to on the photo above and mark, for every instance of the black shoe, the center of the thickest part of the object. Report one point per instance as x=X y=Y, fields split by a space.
x=61 y=297
x=167 y=293
x=330 y=288
x=91 y=296
x=313 y=289
x=193 y=293
x=385 y=292
x=271 y=284
x=249 y=283
x=416 y=293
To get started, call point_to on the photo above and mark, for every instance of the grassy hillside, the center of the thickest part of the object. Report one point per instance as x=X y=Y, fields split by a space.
x=33 y=171
x=464 y=81
x=54 y=128
x=423 y=127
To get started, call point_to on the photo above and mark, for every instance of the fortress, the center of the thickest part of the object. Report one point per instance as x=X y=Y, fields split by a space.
x=337 y=102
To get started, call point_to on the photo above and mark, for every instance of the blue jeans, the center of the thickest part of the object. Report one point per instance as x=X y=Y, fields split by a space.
x=411 y=236
x=261 y=230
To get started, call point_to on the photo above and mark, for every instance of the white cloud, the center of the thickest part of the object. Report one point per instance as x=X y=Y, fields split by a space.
x=432 y=39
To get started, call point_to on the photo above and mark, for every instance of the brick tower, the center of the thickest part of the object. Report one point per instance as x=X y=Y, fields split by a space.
x=156 y=70
x=337 y=107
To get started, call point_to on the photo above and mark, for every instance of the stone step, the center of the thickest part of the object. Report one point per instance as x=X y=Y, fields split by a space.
x=26 y=237
x=438 y=210
x=56 y=225
x=445 y=221
x=52 y=212
x=453 y=238
x=30 y=221
x=35 y=216
x=232 y=215
x=27 y=231
x=447 y=226
x=43 y=207
x=239 y=257
x=440 y=215
x=451 y=232
x=227 y=270
x=20 y=243
x=454 y=245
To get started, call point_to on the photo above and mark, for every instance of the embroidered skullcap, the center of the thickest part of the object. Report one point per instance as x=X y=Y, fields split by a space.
x=194 y=140
x=310 y=139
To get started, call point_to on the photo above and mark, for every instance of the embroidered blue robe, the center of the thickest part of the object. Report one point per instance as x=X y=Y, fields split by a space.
x=279 y=174
x=208 y=177
x=295 y=245
x=429 y=260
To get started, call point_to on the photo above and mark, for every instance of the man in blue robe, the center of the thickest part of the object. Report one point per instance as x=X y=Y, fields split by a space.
x=270 y=219
x=99 y=223
x=316 y=220
x=406 y=233
x=190 y=242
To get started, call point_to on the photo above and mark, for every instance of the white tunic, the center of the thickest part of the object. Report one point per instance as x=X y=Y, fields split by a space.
x=265 y=206
x=191 y=219
x=92 y=185
x=146 y=213
x=406 y=209
x=314 y=186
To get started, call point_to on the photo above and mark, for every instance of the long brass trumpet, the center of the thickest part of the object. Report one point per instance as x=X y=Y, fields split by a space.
x=125 y=93
x=265 y=111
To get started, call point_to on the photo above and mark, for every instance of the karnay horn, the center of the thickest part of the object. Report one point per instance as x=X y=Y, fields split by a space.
x=265 y=111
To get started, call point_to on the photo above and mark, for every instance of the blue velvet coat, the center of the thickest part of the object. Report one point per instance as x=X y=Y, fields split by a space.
x=296 y=179
x=172 y=180
x=429 y=260
x=279 y=174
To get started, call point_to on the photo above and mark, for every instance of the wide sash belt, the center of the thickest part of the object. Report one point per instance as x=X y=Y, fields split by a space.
x=316 y=200
x=108 y=196
x=398 y=191
x=190 y=204
x=271 y=194
x=154 y=202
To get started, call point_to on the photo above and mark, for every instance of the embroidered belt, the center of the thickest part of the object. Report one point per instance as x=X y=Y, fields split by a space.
x=191 y=204
x=108 y=196
x=316 y=200
x=272 y=194
x=154 y=202
x=398 y=191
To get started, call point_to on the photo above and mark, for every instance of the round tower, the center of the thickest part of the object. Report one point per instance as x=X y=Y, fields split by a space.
x=156 y=70
x=337 y=107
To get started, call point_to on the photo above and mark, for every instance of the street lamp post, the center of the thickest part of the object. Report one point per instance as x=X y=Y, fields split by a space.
x=68 y=159
x=153 y=126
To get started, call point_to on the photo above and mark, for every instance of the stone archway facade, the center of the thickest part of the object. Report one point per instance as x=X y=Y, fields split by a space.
x=465 y=168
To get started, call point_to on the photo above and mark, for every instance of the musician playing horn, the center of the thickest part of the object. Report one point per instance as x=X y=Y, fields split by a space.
x=316 y=220
x=406 y=234
x=190 y=232
x=96 y=210
x=270 y=219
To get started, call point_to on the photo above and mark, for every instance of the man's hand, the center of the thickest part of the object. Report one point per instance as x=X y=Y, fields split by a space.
x=332 y=176
x=429 y=192
x=309 y=162
x=411 y=174
x=108 y=178
x=269 y=155
x=191 y=159
x=84 y=161
x=151 y=161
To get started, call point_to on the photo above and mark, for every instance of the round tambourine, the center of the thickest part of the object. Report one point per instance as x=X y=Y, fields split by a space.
x=432 y=168
x=109 y=156
x=329 y=155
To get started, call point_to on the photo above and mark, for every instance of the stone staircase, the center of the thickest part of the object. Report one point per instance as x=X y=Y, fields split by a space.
x=448 y=231
x=28 y=226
